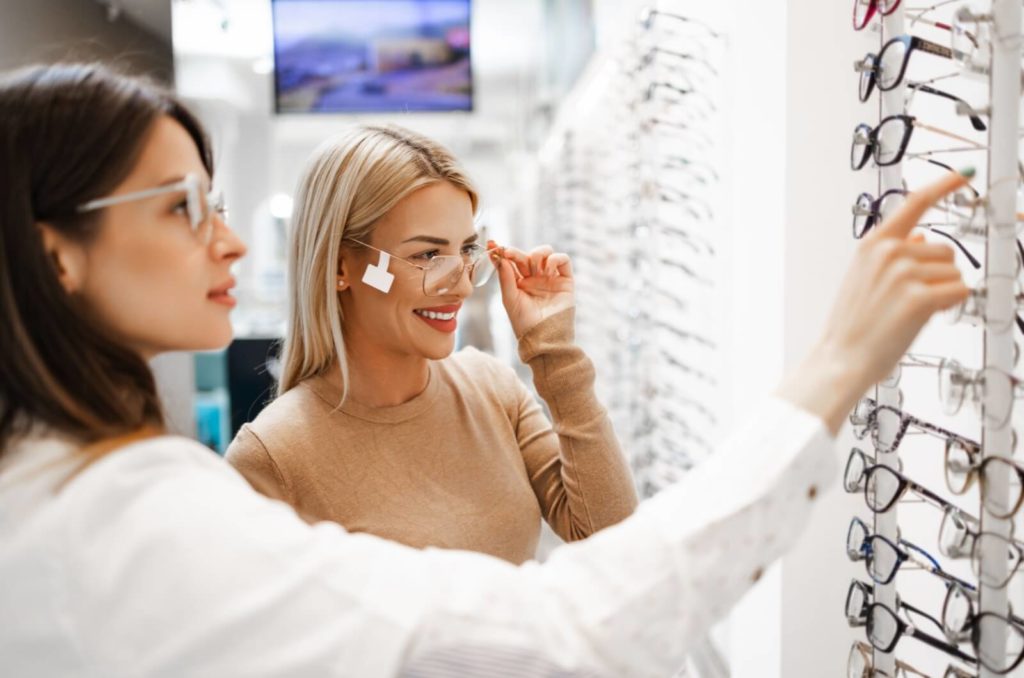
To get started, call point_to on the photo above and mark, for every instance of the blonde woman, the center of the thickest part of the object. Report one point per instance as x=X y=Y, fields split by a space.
x=378 y=425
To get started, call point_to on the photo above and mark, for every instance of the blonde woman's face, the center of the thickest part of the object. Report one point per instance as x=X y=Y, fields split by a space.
x=152 y=280
x=432 y=221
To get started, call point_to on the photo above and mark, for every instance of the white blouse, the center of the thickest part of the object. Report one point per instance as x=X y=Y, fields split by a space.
x=159 y=560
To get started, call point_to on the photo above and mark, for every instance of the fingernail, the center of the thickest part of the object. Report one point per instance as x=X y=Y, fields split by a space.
x=967 y=172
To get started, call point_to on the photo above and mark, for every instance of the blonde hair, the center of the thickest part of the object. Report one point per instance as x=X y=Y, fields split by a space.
x=350 y=182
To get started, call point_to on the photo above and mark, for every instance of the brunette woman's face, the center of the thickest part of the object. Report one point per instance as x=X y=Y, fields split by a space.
x=434 y=220
x=159 y=285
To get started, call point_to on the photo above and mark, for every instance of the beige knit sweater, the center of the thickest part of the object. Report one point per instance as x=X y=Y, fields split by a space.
x=471 y=463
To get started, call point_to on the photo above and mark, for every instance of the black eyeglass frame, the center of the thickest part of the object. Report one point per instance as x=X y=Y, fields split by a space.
x=903 y=484
x=865 y=618
x=911 y=44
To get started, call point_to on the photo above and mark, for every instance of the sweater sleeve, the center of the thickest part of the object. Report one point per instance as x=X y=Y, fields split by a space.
x=250 y=457
x=576 y=468
x=167 y=564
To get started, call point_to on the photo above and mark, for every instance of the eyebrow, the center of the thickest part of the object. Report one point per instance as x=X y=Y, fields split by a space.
x=440 y=241
x=203 y=179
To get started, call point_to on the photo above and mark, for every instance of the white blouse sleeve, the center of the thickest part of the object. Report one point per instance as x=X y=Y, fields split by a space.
x=172 y=566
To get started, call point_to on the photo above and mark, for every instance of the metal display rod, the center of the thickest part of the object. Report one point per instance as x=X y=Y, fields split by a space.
x=887 y=523
x=1001 y=274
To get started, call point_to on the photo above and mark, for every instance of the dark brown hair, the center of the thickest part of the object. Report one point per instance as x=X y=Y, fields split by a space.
x=69 y=133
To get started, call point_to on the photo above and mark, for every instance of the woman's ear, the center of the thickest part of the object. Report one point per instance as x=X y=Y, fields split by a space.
x=68 y=257
x=342 y=281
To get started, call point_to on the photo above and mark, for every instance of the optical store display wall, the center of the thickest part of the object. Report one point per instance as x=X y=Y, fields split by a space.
x=630 y=185
x=785 y=237
x=939 y=549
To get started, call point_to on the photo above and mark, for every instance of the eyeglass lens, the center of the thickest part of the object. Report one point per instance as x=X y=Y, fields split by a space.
x=956 y=614
x=202 y=206
x=883 y=488
x=858 y=665
x=892 y=64
x=883 y=627
x=995 y=574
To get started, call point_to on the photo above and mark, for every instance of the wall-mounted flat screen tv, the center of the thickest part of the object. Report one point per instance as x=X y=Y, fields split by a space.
x=365 y=56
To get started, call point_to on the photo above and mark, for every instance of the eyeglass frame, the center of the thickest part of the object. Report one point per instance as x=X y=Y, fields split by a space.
x=867 y=136
x=979 y=297
x=974 y=377
x=971 y=629
x=873 y=212
x=482 y=256
x=865 y=650
x=906 y=421
x=874 y=6
x=649 y=57
x=649 y=14
x=912 y=43
x=191 y=185
x=865 y=616
x=903 y=484
x=868 y=67
x=906 y=554
x=961 y=551
x=975 y=474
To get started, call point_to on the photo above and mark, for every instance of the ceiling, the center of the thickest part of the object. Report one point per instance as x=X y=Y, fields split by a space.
x=504 y=30
x=152 y=15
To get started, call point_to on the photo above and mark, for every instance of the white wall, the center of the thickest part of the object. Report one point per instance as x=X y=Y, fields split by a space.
x=755 y=294
x=796 y=108
x=55 y=30
x=822 y=110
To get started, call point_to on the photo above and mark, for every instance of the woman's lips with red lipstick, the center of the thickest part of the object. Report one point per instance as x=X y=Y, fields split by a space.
x=441 y=318
x=222 y=294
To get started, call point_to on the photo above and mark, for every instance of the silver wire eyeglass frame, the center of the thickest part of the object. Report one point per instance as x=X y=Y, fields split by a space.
x=199 y=205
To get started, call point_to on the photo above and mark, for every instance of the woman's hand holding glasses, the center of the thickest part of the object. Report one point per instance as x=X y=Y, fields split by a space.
x=534 y=285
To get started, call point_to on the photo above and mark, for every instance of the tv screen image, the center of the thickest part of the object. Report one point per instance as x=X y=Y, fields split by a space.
x=363 y=56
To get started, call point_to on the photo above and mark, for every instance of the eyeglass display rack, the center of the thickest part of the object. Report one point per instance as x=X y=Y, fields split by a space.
x=629 y=185
x=1003 y=68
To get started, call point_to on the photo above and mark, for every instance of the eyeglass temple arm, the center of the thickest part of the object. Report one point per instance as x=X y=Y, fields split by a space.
x=931 y=497
x=377 y=249
x=684 y=19
x=937 y=49
x=99 y=203
x=942 y=646
x=946 y=167
x=943 y=132
x=931 y=565
x=970 y=257
x=914 y=553
x=921 y=613
x=910 y=670
x=682 y=55
x=919 y=18
x=940 y=432
x=976 y=121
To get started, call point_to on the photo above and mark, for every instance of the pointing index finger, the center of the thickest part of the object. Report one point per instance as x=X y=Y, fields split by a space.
x=900 y=224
